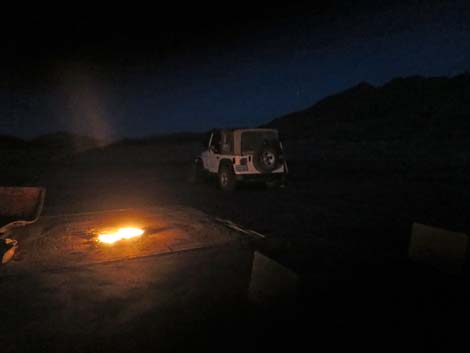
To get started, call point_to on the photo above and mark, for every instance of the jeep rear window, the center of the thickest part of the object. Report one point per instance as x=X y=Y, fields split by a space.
x=252 y=140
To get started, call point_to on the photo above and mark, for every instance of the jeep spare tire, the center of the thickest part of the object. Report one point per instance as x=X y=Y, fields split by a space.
x=267 y=158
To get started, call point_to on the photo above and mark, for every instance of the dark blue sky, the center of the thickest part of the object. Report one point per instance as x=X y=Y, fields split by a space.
x=247 y=71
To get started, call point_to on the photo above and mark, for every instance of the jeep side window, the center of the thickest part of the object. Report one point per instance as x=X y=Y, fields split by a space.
x=215 y=143
x=227 y=143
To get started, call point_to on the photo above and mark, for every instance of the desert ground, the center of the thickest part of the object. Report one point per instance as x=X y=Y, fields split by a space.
x=344 y=228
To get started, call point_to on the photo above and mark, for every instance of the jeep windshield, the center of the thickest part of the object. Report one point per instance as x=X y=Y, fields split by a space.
x=252 y=140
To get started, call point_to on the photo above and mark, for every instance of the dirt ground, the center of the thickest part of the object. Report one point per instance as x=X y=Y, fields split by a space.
x=344 y=231
x=360 y=215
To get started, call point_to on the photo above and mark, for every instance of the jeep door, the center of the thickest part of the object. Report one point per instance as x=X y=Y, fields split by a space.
x=213 y=153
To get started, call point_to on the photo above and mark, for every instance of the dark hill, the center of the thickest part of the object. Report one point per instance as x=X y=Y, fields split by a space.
x=178 y=138
x=11 y=142
x=66 y=141
x=404 y=108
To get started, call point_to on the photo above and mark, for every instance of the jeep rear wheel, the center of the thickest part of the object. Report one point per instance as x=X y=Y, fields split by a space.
x=226 y=178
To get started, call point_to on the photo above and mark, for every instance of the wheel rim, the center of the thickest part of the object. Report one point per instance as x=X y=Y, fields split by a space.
x=268 y=159
x=224 y=178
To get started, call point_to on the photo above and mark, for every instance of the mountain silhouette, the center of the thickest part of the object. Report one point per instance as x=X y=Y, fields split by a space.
x=404 y=108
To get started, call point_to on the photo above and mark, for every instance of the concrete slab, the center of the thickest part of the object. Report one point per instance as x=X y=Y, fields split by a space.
x=72 y=240
x=66 y=292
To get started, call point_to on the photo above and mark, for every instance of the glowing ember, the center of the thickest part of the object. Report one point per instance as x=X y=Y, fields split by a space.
x=122 y=233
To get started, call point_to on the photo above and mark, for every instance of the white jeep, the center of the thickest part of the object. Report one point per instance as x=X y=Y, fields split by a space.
x=242 y=155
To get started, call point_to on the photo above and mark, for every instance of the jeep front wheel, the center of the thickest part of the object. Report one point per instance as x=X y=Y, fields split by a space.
x=226 y=178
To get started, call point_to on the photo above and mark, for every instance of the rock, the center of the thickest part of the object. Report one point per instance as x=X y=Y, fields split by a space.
x=440 y=248
x=272 y=283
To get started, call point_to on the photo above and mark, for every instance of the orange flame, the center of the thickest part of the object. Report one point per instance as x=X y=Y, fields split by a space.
x=121 y=233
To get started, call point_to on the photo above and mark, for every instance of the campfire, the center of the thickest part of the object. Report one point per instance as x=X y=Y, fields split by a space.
x=121 y=233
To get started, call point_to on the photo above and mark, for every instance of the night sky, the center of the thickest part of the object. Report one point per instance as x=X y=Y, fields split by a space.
x=135 y=72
